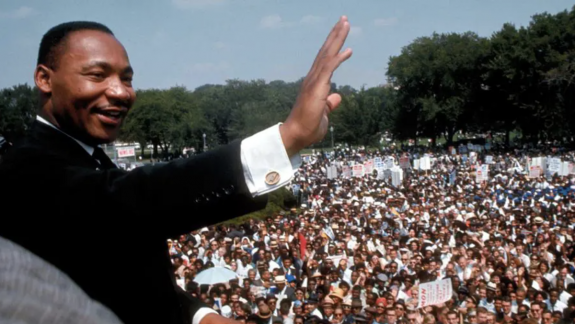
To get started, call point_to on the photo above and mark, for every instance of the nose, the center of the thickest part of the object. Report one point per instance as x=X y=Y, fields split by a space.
x=118 y=91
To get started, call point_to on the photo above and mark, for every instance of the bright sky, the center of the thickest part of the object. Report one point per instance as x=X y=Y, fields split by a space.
x=194 y=42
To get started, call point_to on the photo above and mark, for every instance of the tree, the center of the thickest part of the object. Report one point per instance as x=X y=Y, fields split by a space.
x=18 y=109
x=167 y=119
x=360 y=118
x=438 y=83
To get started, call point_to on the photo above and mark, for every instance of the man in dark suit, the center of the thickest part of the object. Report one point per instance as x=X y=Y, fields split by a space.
x=76 y=209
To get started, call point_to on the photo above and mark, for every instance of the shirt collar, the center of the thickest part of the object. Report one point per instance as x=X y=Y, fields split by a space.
x=86 y=147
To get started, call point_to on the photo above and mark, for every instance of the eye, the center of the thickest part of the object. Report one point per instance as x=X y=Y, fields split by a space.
x=97 y=75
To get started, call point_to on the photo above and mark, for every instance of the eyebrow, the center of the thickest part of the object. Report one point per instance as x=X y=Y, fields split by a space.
x=106 y=66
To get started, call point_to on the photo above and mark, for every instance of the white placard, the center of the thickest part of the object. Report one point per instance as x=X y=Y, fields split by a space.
x=554 y=165
x=435 y=292
x=425 y=163
x=534 y=171
x=346 y=171
x=368 y=167
x=396 y=176
x=388 y=163
x=358 y=170
x=404 y=162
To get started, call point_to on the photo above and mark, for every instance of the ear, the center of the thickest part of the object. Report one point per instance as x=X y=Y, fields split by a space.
x=43 y=78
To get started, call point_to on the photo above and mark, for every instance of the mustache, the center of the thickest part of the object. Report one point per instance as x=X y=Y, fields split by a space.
x=122 y=106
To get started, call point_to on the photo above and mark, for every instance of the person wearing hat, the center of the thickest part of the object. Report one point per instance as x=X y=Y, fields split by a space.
x=489 y=301
x=311 y=307
x=338 y=294
x=327 y=308
x=264 y=312
x=283 y=291
x=360 y=319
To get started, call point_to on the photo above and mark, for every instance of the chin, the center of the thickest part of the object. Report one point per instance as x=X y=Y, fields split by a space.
x=104 y=136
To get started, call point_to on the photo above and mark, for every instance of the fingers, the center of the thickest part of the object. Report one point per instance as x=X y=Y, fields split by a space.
x=336 y=43
x=333 y=101
x=334 y=35
x=330 y=67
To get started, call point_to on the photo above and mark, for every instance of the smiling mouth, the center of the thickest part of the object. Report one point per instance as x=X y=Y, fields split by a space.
x=111 y=117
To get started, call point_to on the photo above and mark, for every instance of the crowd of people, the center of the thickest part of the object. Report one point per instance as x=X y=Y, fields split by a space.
x=357 y=247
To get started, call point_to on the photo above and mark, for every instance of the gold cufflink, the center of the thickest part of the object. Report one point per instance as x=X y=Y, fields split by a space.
x=272 y=178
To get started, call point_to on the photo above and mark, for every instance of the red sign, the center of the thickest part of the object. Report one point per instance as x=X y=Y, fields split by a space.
x=125 y=152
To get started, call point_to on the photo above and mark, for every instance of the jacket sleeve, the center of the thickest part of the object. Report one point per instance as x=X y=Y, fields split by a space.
x=168 y=199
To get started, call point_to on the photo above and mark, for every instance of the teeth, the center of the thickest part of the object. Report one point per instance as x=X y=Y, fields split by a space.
x=111 y=113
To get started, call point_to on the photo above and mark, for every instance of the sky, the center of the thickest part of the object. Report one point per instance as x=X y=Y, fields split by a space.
x=195 y=42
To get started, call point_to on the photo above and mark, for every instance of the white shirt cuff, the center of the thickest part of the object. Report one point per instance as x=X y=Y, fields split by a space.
x=201 y=313
x=262 y=153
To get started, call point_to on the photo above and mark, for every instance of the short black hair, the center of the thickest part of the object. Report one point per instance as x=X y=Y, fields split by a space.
x=55 y=38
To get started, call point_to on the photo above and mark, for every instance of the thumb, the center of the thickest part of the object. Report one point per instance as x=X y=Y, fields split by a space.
x=333 y=100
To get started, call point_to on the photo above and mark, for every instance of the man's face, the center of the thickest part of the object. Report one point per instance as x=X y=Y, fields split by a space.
x=482 y=318
x=412 y=318
x=553 y=296
x=452 y=319
x=536 y=311
x=547 y=318
x=520 y=297
x=90 y=88
x=391 y=316
x=506 y=307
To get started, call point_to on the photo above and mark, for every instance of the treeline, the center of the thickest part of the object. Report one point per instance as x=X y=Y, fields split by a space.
x=520 y=80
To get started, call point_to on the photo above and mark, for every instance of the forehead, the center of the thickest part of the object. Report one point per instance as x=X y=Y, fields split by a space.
x=82 y=47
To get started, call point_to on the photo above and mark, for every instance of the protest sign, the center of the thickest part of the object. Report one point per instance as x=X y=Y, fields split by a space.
x=435 y=292
x=404 y=162
x=346 y=171
x=368 y=167
x=358 y=170
x=534 y=171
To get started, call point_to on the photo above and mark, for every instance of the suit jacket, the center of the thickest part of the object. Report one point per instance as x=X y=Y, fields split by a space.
x=107 y=229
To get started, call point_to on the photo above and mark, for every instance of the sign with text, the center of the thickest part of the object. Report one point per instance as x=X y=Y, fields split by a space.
x=126 y=151
x=358 y=170
x=404 y=162
x=388 y=163
x=435 y=292
x=368 y=166
x=534 y=171
x=346 y=171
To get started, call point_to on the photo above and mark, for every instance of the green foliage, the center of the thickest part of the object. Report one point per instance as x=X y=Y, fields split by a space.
x=518 y=80
x=279 y=200
x=18 y=107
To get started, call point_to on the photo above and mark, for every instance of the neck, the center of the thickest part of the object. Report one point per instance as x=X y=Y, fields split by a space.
x=79 y=136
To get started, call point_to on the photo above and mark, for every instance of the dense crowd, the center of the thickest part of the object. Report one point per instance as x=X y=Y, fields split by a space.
x=357 y=247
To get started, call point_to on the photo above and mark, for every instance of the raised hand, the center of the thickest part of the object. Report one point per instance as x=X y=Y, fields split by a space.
x=308 y=120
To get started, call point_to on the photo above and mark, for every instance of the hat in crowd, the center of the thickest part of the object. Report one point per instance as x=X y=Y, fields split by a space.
x=538 y=220
x=338 y=292
x=226 y=311
x=381 y=277
x=492 y=286
x=359 y=318
x=312 y=299
x=356 y=303
x=463 y=290
x=280 y=279
x=328 y=301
